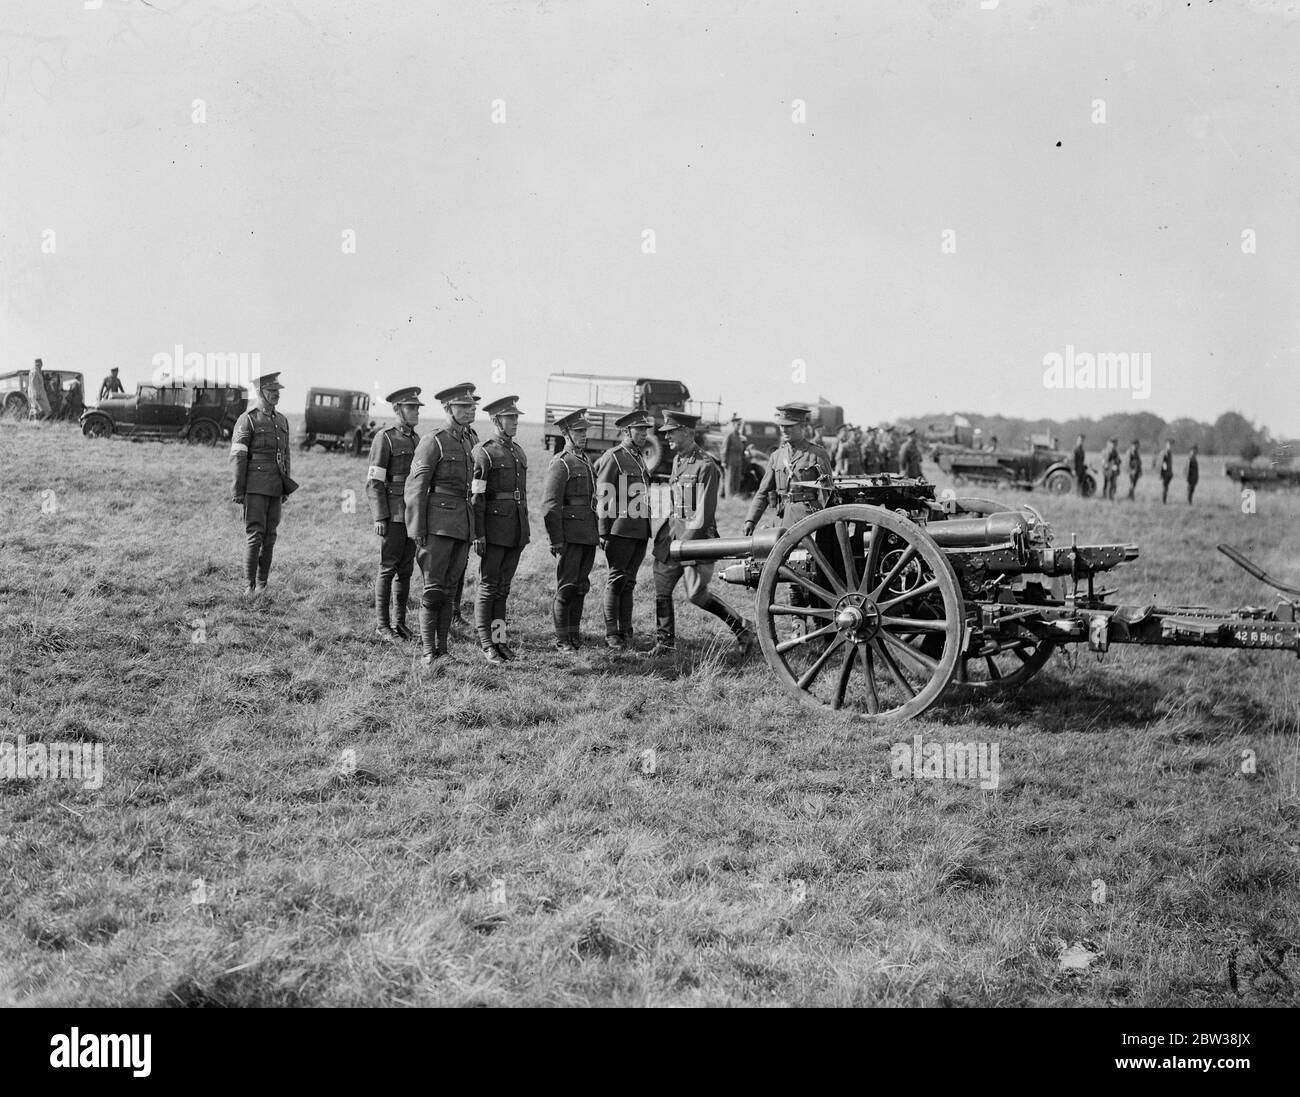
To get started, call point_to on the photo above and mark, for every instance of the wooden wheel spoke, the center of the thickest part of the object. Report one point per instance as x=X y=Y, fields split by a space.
x=786 y=645
x=832 y=576
x=897 y=674
x=846 y=672
x=875 y=538
x=1019 y=651
x=924 y=661
x=994 y=673
x=908 y=556
x=924 y=588
x=846 y=553
x=801 y=611
x=792 y=576
x=822 y=660
x=869 y=674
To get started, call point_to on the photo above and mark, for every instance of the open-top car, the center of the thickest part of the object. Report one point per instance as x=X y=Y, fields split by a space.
x=204 y=415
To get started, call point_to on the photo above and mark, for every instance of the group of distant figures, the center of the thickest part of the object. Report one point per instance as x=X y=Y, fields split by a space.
x=47 y=399
x=1112 y=464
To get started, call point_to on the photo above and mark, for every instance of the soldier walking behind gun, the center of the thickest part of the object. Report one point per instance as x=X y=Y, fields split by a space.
x=1110 y=467
x=111 y=384
x=1193 y=474
x=1166 y=469
x=1134 y=461
x=259 y=457
x=733 y=457
x=391 y=454
x=909 y=457
x=623 y=521
x=500 y=490
x=795 y=460
x=569 y=513
x=1080 y=465
x=693 y=489
x=438 y=514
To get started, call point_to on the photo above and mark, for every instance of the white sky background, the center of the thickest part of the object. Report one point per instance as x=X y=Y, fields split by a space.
x=775 y=241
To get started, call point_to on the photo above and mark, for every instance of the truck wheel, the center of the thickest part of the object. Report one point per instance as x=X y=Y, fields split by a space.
x=1089 y=486
x=1059 y=483
x=308 y=442
x=204 y=433
x=653 y=452
x=97 y=427
x=16 y=405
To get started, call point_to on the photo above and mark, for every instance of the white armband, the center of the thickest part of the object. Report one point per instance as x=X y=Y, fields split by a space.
x=477 y=487
x=236 y=448
x=377 y=472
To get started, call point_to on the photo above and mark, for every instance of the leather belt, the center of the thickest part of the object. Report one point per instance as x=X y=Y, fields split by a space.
x=497 y=496
x=397 y=479
x=454 y=494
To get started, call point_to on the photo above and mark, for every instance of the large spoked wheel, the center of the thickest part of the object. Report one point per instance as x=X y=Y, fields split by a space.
x=1004 y=665
x=205 y=433
x=97 y=426
x=879 y=613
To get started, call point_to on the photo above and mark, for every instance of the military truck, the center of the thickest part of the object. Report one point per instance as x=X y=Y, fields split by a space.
x=1040 y=465
x=607 y=398
x=1277 y=471
x=202 y=414
x=13 y=391
x=338 y=419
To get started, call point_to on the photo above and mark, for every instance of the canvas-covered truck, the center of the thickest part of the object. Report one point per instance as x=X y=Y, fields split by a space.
x=607 y=398
x=204 y=414
x=338 y=419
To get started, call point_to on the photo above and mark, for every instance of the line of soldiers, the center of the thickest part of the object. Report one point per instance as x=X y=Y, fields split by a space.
x=858 y=452
x=1112 y=464
x=433 y=498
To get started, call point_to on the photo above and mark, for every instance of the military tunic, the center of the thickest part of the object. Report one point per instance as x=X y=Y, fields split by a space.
x=791 y=462
x=391 y=455
x=693 y=491
x=909 y=459
x=569 y=513
x=439 y=513
x=623 y=519
x=500 y=491
x=260 y=459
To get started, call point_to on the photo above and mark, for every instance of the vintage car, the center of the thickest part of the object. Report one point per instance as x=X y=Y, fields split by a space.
x=203 y=415
x=338 y=419
x=13 y=391
x=1041 y=465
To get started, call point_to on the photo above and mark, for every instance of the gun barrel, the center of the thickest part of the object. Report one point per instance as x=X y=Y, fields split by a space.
x=721 y=548
x=996 y=529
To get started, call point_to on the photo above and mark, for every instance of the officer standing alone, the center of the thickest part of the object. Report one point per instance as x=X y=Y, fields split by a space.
x=391 y=454
x=259 y=457
x=623 y=519
x=500 y=492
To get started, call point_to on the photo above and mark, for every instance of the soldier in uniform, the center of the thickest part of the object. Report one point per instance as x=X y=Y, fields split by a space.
x=111 y=384
x=795 y=460
x=1166 y=469
x=73 y=403
x=1193 y=474
x=569 y=511
x=439 y=516
x=693 y=486
x=391 y=454
x=733 y=456
x=909 y=457
x=500 y=491
x=1134 y=461
x=259 y=457
x=1110 y=466
x=623 y=520
x=1080 y=457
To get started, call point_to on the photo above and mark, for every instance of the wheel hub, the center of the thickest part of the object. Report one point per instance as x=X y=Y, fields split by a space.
x=857 y=616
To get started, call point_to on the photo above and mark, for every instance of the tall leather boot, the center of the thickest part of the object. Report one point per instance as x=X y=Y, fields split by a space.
x=251 y=553
x=611 y=605
x=665 y=625
x=264 y=565
x=430 y=649
x=383 y=596
x=403 y=592
x=575 y=620
x=483 y=616
x=560 y=615
x=445 y=613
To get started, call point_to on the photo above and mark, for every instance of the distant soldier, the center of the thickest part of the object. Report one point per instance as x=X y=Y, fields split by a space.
x=623 y=520
x=886 y=447
x=796 y=460
x=1193 y=474
x=993 y=441
x=439 y=515
x=111 y=384
x=500 y=490
x=909 y=457
x=871 y=464
x=569 y=512
x=733 y=456
x=1134 y=461
x=391 y=455
x=74 y=402
x=38 y=398
x=849 y=460
x=693 y=488
x=1166 y=469
x=1080 y=465
x=259 y=457
x=1111 y=464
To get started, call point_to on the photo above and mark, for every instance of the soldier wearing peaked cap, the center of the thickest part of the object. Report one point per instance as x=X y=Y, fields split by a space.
x=439 y=513
x=391 y=455
x=795 y=460
x=623 y=522
x=569 y=512
x=909 y=457
x=500 y=491
x=693 y=487
x=259 y=458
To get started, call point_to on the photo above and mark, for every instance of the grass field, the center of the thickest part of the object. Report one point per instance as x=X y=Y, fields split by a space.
x=294 y=813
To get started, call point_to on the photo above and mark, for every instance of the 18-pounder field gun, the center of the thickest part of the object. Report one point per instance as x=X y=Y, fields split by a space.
x=893 y=595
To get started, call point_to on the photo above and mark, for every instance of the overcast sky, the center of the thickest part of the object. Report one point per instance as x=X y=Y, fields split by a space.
x=774 y=240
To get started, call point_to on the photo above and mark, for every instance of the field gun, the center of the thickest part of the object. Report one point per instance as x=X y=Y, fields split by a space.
x=895 y=595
